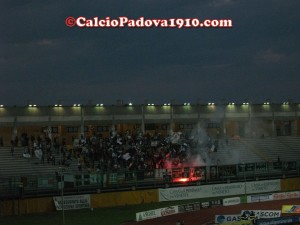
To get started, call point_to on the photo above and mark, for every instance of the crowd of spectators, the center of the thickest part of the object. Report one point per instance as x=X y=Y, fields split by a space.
x=130 y=151
x=119 y=151
x=134 y=151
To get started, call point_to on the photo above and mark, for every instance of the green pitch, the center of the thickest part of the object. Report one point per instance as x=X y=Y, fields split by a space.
x=107 y=216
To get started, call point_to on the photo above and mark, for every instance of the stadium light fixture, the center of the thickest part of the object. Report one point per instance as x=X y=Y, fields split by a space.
x=211 y=103
x=130 y=104
x=1 y=106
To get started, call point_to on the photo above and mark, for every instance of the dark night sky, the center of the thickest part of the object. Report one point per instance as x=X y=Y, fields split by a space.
x=44 y=61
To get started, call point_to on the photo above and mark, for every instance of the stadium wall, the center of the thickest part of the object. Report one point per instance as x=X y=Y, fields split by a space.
x=290 y=184
x=42 y=205
x=26 y=206
x=124 y=198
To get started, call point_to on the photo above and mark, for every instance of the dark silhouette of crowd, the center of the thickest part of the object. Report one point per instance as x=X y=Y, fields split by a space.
x=118 y=151
x=130 y=151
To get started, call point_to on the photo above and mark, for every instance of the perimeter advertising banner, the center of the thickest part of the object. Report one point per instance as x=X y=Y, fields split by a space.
x=262 y=214
x=151 y=214
x=290 y=209
x=245 y=222
x=72 y=202
x=207 y=191
x=280 y=220
x=231 y=201
x=227 y=218
x=189 y=207
x=263 y=186
x=218 y=190
x=259 y=198
x=286 y=195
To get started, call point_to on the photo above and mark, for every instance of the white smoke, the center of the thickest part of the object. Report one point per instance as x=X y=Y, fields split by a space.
x=199 y=151
x=207 y=151
x=199 y=135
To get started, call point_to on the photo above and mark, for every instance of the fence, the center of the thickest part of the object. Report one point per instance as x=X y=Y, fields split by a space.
x=49 y=185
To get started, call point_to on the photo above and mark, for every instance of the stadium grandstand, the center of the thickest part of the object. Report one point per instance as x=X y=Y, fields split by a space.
x=125 y=146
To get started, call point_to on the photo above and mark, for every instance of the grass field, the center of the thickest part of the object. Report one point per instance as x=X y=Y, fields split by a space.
x=99 y=216
x=105 y=216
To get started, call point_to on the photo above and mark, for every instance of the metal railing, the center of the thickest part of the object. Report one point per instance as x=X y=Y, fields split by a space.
x=75 y=183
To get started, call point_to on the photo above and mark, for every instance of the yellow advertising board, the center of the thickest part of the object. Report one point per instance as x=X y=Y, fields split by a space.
x=290 y=209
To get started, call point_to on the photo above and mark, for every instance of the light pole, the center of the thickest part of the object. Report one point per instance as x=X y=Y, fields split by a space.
x=245 y=180
x=62 y=184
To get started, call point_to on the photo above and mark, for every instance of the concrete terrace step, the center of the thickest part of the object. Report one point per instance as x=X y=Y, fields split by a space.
x=16 y=164
x=283 y=147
